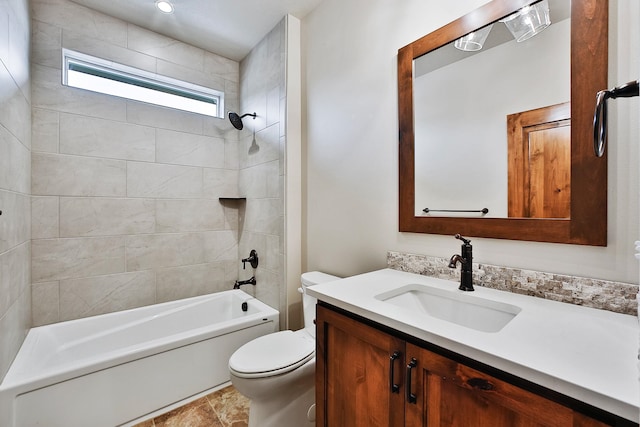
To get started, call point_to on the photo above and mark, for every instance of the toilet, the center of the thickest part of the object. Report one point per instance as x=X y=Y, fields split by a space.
x=276 y=372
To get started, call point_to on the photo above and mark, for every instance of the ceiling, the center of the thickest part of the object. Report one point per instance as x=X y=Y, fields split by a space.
x=229 y=28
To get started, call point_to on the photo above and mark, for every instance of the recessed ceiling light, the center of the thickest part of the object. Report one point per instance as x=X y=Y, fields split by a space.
x=164 y=6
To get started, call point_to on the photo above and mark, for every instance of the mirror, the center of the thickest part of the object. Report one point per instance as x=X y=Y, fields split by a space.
x=428 y=136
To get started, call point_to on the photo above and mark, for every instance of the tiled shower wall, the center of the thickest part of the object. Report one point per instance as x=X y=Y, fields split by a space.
x=125 y=208
x=15 y=179
x=262 y=150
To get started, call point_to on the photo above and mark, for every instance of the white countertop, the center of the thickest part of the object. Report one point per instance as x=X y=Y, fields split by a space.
x=588 y=354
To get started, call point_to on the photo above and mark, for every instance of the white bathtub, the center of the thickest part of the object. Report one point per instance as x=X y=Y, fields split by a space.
x=111 y=369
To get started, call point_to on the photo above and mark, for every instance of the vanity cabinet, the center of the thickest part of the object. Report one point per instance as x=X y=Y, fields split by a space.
x=367 y=376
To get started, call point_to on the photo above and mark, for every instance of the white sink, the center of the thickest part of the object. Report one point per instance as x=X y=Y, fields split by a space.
x=459 y=307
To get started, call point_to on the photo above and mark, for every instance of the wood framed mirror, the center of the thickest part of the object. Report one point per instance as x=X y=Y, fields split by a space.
x=587 y=220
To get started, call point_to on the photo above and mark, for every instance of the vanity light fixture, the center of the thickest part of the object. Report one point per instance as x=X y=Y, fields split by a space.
x=528 y=21
x=164 y=6
x=473 y=41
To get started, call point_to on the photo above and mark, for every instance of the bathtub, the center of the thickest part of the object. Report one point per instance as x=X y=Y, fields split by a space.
x=111 y=369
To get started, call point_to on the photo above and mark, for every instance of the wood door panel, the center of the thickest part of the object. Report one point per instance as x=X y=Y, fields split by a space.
x=454 y=395
x=353 y=360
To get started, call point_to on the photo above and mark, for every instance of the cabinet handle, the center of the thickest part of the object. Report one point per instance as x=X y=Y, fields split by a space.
x=480 y=384
x=411 y=398
x=395 y=388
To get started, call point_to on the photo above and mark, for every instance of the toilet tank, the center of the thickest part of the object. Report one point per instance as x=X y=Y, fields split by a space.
x=308 y=302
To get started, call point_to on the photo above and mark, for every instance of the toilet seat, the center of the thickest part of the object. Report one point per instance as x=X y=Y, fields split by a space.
x=273 y=354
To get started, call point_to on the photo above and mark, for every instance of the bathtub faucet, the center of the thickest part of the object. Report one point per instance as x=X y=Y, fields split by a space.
x=239 y=283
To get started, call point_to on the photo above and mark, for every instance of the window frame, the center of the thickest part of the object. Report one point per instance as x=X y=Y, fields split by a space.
x=110 y=70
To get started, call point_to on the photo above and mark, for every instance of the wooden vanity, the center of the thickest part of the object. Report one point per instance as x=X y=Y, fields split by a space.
x=368 y=375
x=373 y=370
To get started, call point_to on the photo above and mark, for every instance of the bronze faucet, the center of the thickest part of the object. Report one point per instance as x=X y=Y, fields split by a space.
x=466 y=261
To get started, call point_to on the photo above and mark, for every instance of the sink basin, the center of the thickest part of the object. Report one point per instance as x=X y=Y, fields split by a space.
x=454 y=306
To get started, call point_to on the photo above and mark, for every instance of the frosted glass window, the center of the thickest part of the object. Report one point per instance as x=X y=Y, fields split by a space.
x=98 y=75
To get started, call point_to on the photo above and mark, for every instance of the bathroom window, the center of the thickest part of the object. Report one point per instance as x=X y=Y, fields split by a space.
x=99 y=75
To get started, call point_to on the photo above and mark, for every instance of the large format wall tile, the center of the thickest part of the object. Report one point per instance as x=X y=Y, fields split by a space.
x=147 y=252
x=190 y=150
x=192 y=280
x=189 y=215
x=15 y=179
x=104 y=294
x=97 y=216
x=72 y=16
x=15 y=226
x=60 y=175
x=45 y=217
x=87 y=136
x=166 y=181
x=55 y=259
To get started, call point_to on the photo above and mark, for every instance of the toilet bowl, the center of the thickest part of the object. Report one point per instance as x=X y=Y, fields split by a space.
x=276 y=372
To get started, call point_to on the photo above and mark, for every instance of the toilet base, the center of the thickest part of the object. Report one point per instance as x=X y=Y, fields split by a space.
x=293 y=414
x=280 y=401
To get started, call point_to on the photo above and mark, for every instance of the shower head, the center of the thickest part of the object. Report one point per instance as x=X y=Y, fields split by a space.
x=236 y=120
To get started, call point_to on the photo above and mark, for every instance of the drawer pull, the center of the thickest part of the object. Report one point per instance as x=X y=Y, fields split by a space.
x=480 y=384
x=395 y=388
x=411 y=398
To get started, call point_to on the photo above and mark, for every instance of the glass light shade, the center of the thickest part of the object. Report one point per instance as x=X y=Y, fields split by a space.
x=528 y=21
x=473 y=41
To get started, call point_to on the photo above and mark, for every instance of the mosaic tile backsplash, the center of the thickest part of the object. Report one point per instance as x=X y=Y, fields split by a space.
x=618 y=297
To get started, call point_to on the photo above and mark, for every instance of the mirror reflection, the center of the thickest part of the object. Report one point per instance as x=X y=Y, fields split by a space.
x=492 y=120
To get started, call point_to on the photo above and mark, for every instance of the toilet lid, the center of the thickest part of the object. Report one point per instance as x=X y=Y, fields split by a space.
x=272 y=354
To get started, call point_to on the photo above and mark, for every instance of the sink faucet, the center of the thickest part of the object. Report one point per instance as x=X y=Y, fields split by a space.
x=466 y=260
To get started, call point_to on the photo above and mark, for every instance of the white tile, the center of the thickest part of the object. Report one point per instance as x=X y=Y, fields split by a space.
x=45 y=298
x=15 y=164
x=45 y=130
x=103 y=49
x=260 y=181
x=189 y=215
x=14 y=326
x=264 y=216
x=92 y=296
x=220 y=66
x=56 y=259
x=69 y=15
x=87 y=136
x=220 y=183
x=221 y=245
x=49 y=93
x=46 y=42
x=15 y=225
x=15 y=275
x=99 y=216
x=189 y=281
x=61 y=175
x=15 y=110
x=45 y=221
x=159 y=46
x=166 y=181
x=152 y=251
x=164 y=117
x=189 y=75
x=181 y=148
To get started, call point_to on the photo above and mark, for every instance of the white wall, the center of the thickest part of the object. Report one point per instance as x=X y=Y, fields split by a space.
x=350 y=52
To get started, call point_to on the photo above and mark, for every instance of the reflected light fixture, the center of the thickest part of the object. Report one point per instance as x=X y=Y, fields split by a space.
x=164 y=6
x=473 y=41
x=528 y=21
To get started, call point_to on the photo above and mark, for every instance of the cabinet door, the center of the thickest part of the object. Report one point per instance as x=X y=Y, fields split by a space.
x=450 y=394
x=359 y=374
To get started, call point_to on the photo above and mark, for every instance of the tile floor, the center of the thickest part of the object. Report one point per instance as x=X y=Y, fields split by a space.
x=223 y=408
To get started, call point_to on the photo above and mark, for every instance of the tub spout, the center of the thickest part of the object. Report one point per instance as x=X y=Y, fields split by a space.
x=239 y=283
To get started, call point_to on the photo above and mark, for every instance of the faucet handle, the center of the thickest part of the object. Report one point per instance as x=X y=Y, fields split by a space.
x=465 y=241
